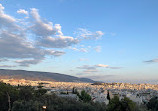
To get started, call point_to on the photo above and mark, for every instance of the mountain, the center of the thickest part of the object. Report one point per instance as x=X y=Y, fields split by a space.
x=44 y=76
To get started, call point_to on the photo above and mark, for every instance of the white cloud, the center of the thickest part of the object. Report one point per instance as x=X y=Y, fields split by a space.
x=14 y=44
x=102 y=65
x=22 y=11
x=20 y=48
x=97 y=48
x=94 y=68
x=58 y=29
x=54 y=53
x=85 y=34
x=83 y=50
x=6 y=21
x=39 y=27
x=57 y=42
x=29 y=42
x=51 y=36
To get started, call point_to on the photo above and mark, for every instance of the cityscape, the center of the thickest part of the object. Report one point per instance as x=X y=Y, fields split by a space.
x=79 y=55
x=139 y=93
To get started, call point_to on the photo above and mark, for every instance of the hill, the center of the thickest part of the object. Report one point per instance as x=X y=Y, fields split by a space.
x=36 y=75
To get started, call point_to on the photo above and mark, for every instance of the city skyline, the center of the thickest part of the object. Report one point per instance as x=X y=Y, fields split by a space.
x=105 y=40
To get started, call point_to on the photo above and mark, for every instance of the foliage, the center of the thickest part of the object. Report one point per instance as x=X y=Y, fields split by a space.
x=8 y=94
x=153 y=104
x=26 y=93
x=26 y=106
x=85 y=97
x=121 y=105
x=108 y=96
x=26 y=98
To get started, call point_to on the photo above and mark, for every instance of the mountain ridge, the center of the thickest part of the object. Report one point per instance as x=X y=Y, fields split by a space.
x=39 y=75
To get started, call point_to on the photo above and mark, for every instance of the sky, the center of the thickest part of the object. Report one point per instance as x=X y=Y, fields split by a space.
x=105 y=40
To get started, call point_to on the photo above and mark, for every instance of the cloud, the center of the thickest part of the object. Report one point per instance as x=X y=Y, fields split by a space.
x=94 y=68
x=26 y=63
x=20 y=48
x=14 y=44
x=90 y=71
x=6 y=66
x=58 y=42
x=107 y=66
x=55 y=53
x=50 y=36
x=114 y=67
x=33 y=61
x=104 y=78
x=6 y=21
x=87 y=67
x=97 y=48
x=3 y=60
x=100 y=77
x=22 y=11
x=85 y=34
x=83 y=59
x=29 y=42
x=39 y=27
x=97 y=66
x=79 y=49
x=83 y=50
x=102 y=65
x=152 y=61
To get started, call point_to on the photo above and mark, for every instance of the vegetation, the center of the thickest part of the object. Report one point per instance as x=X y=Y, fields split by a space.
x=108 y=96
x=27 y=98
x=85 y=97
x=121 y=105
x=153 y=104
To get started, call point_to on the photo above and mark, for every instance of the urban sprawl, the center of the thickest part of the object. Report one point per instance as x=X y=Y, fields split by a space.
x=139 y=93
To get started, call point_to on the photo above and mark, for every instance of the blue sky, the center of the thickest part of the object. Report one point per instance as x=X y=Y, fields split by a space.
x=108 y=40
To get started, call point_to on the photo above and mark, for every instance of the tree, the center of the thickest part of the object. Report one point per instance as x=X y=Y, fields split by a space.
x=121 y=105
x=40 y=92
x=153 y=104
x=27 y=106
x=8 y=94
x=127 y=104
x=26 y=93
x=108 y=96
x=85 y=97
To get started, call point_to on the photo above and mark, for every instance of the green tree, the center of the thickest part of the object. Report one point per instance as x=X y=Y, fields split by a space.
x=153 y=104
x=85 y=97
x=26 y=106
x=8 y=94
x=127 y=104
x=40 y=92
x=121 y=105
x=26 y=93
